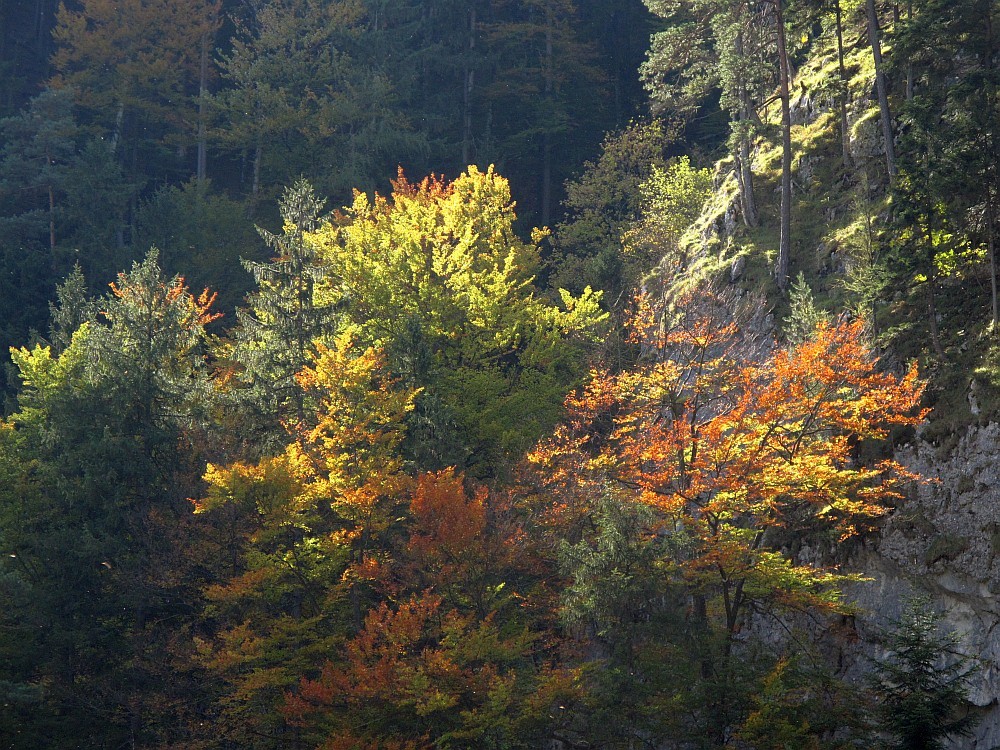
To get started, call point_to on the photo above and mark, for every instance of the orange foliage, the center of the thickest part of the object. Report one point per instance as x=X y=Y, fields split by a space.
x=428 y=189
x=196 y=310
x=448 y=524
x=736 y=445
x=351 y=742
x=412 y=670
x=465 y=545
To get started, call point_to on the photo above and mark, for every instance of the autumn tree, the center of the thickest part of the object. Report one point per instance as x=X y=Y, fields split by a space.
x=303 y=535
x=734 y=447
x=436 y=275
x=419 y=674
x=101 y=452
x=454 y=655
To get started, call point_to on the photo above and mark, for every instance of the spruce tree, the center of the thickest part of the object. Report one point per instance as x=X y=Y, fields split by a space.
x=278 y=330
x=923 y=682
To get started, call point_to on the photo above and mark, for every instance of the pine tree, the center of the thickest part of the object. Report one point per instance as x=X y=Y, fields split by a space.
x=136 y=67
x=804 y=316
x=296 y=98
x=547 y=75
x=39 y=145
x=711 y=44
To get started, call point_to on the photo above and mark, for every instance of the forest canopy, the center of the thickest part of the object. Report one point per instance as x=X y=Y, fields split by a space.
x=411 y=374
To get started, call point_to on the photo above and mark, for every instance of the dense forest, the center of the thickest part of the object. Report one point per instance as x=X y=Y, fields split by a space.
x=410 y=374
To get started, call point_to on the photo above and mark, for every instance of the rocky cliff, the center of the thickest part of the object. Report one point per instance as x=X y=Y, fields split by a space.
x=943 y=541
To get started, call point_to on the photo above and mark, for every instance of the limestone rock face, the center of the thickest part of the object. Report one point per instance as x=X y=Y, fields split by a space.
x=944 y=541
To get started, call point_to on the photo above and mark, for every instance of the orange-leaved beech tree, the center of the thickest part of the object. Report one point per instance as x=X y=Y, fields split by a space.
x=462 y=545
x=455 y=657
x=708 y=464
x=738 y=448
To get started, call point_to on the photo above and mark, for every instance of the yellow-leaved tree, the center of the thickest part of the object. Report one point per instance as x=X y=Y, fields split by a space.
x=437 y=276
x=302 y=536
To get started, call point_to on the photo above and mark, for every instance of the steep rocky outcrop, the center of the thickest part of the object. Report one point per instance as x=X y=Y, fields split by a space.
x=943 y=541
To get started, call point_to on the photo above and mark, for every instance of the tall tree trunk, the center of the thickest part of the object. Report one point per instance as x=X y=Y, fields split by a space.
x=991 y=247
x=845 y=134
x=881 y=86
x=52 y=212
x=909 y=63
x=116 y=134
x=991 y=169
x=469 y=83
x=258 y=155
x=52 y=220
x=43 y=32
x=932 y=324
x=200 y=171
x=932 y=316
x=744 y=169
x=744 y=178
x=784 y=239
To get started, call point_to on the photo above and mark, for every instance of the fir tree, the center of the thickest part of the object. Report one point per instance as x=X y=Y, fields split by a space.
x=923 y=682
x=283 y=321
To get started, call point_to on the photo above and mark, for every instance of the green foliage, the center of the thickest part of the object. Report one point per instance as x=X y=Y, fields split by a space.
x=61 y=201
x=293 y=107
x=38 y=148
x=672 y=200
x=868 y=276
x=797 y=703
x=546 y=81
x=922 y=683
x=73 y=308
x=804 y=316
x=200 y=233
x=96 y=204
x=99 y=456
x=945 y=547
x=284 y=319
x=614 y=576
x=125 y=74
x=602 y=203
x=439 y=267
x=709 y=46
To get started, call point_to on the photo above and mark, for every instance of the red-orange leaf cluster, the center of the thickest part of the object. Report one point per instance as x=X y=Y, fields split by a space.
x=737 y=446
